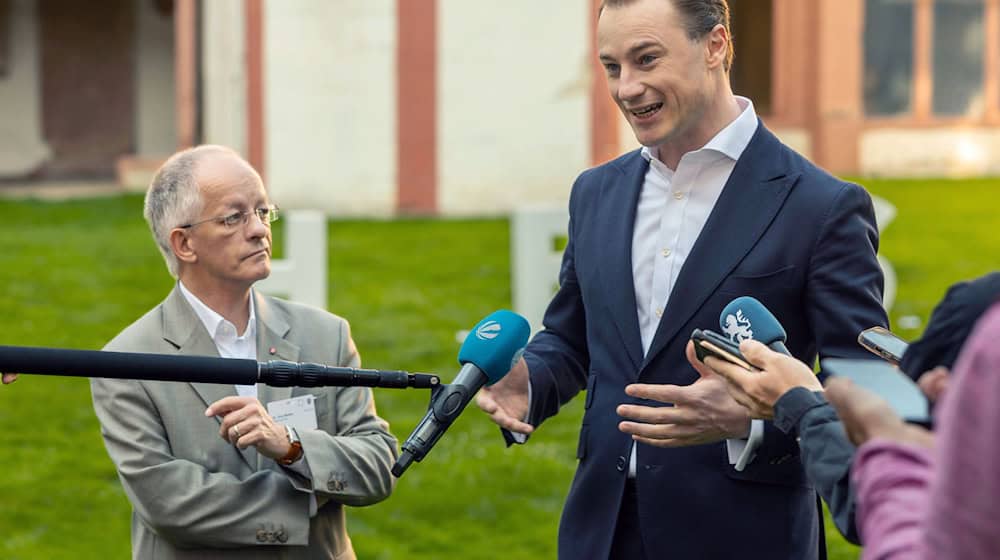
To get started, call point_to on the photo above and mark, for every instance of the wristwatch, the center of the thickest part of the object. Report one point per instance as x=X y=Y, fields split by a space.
x=295 y=452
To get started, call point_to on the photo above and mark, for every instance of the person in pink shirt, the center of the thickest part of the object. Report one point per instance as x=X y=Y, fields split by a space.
x=931 y=496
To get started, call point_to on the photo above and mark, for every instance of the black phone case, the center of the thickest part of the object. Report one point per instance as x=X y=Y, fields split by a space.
x=716 y=339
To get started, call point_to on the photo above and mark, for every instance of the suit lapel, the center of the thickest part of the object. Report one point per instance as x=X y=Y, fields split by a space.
x=755 y=191
x=271 y=332
x=619 y=199
x=183 y=329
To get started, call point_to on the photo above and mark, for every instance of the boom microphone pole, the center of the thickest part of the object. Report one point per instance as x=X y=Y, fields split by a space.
x=201 y=369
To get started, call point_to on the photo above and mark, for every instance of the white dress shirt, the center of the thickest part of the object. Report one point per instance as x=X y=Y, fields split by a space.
x=231 y=344
x=227 y=341
x=674 y=205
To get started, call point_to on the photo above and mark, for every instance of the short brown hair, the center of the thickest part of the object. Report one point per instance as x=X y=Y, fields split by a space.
x=700 y=18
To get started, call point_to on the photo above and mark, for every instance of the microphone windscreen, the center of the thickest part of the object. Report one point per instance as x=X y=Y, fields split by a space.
x=495 y=343
x=746 y=318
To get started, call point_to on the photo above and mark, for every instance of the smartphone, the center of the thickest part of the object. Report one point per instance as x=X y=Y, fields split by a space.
x=708 y=343
x=883 y=343
x=886 y=381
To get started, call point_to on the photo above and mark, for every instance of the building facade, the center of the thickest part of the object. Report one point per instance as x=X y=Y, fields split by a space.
x=467 y=107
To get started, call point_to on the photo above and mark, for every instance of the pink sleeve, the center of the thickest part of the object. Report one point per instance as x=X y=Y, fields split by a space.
x=964 y=519
x=942 y=504
x=891 y=481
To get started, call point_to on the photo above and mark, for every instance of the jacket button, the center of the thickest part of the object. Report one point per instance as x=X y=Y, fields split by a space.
x=261 y=535
x=282 y=536
x=621 y=463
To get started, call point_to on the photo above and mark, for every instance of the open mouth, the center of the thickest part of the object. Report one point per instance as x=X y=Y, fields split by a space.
x=647 y=111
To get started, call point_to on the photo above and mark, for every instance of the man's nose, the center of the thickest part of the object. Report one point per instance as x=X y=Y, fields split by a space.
x=255 y=226
x=630 y=85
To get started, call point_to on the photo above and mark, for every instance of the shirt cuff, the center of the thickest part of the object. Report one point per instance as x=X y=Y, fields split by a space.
x=742 y=451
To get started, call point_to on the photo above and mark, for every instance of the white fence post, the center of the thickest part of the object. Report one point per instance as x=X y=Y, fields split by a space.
x=301 y=275
x=535 y=259
x=885 y=212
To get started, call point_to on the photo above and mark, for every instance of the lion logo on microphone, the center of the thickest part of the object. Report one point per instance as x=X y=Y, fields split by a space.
x=488 y=330
x=738 y=327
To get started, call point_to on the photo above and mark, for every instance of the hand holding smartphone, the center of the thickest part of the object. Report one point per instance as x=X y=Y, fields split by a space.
x=708 y=343
x=886 y=381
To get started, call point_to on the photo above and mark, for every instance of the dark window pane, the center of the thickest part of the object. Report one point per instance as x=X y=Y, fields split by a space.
x=958 y=57
x=750 y=76
x=888 y=56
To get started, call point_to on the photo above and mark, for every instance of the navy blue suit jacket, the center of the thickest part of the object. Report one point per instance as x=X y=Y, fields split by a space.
x=783 y=231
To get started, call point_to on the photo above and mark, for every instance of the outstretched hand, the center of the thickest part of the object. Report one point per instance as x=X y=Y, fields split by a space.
x=702 y=412
x=506 y=401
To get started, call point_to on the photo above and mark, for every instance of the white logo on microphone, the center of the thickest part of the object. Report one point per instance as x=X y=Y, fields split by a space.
x=488 y=331
x=738 y=327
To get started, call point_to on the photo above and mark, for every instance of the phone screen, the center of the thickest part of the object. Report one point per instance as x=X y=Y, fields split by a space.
x=903 y=395
x=883 y=343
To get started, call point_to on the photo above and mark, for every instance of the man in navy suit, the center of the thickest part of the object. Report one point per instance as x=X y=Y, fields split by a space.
x=711 y=208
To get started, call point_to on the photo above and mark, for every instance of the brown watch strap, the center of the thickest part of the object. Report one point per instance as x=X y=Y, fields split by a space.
x=295 y=449
x=294 y=453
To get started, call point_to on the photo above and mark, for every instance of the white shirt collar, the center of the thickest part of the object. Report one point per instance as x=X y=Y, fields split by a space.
x=731 y=140
x=213 y=320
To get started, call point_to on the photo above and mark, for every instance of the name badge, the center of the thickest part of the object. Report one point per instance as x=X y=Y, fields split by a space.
x=297 y=412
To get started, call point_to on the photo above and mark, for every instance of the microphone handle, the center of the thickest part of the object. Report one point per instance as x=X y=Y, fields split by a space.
x=446 y=404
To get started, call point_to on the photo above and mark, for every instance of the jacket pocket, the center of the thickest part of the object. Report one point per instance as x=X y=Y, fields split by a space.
x=748 y=282
x=781 y=470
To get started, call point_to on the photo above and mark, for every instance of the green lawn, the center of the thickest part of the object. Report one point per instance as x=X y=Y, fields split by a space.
x=74 y=273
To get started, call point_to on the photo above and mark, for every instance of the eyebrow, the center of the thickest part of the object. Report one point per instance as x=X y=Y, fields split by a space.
x=640 y=46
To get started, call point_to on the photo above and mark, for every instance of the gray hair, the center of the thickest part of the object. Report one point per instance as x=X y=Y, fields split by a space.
x=174 y=197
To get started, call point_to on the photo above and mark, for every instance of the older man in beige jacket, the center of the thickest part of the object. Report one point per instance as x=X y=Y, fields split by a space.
x=209 y=470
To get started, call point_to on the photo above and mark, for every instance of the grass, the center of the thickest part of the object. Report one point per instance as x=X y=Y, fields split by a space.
x=74 y=273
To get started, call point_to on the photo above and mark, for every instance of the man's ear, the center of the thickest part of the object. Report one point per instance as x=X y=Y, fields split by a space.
x=717 y=46
x=181 y=245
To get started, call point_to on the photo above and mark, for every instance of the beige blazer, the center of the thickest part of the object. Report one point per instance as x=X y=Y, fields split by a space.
x=195 y=496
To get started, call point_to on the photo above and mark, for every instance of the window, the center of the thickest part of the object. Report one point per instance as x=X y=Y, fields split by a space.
x=927 y=59
x=958 y=58
x=750 y=76
x=888 y=52
x=6 y=39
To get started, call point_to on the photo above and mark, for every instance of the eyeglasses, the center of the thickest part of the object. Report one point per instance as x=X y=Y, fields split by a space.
x=266 y=215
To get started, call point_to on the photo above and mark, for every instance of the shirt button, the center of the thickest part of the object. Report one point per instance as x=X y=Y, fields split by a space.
x=665 y=252
x=678 y=195
x=659 y=312
x=620 y=464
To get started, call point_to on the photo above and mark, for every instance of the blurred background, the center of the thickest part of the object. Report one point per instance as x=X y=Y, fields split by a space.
x=419 y=128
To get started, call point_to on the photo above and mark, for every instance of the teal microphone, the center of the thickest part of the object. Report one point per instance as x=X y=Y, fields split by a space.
x=743 y=319
x=746 y=318
x=491 y=348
